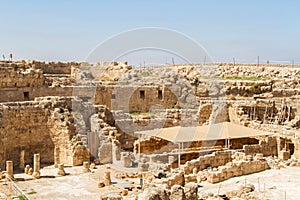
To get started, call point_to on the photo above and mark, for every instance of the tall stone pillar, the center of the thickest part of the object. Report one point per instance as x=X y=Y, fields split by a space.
x=22 y=160
x=36 y=166
x=10 y=168
x=56 y=157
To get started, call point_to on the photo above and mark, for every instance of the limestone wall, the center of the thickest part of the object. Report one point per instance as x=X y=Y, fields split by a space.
x=223 y=165
x=54 y=67
x=12 y=78
x=266 y=146
x=46 y=67
x=215 y=159
x=154 y=145
x=129 y=124
x=120 y=87
x=18 y=84
x=39 y=127
x=135 y=99
x=238 y=143
x=296 y=148
x=236 y=168
x=263 y=70
x=24 y=127
x=144 y=98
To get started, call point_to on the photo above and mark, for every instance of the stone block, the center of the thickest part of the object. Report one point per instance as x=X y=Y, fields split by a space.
x=284 y=155
x=105 y=153
x=177 y=193
x=259 y=156
x=61 y=171
x=127 y=161
x=86 y=167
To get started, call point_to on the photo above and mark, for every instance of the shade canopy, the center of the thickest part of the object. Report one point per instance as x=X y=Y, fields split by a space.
x=218 y=131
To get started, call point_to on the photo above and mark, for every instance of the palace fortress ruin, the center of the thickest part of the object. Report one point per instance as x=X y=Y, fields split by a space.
x=75 y=114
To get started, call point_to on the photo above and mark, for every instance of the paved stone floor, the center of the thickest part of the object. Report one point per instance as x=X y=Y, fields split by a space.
x=269 y=184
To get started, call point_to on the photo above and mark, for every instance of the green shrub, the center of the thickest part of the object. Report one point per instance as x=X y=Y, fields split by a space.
x=32 y=192
x=22 y=197
x=145 y=73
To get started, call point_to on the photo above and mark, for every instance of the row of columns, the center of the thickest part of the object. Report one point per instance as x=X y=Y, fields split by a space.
x=36 y=166
x=35 y=172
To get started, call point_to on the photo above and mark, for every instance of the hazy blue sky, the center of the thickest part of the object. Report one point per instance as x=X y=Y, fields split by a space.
x=69 y=30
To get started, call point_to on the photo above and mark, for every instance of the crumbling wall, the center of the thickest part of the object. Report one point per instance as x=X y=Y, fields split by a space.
x=205 y=111
x=19 y=84
x=238 y=143
x=54 y=67
x=177 y=82
x=247 y=88
x=267 y=146
x=40 y=127
x=296 y=148
x=153 y=145
x=46 y=67
x=24 y=127
x=215 y=159
x=144 y=98
x=69 y=146
x=13 y=78
x=128 y=124
x=130 y=98
x=263 y=70
x=222 y=165
x=236 y=168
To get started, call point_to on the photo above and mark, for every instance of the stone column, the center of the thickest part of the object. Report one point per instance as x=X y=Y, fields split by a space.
x=86 y=167
x=143 y=166
x=30 y=171
x=61 y=170
x=36 y=166
x=107 y=180
x=127 y=161
x=56 y=156
x=171 y=159
x=117 y=153
x=172 y=163
x=26 y=170
x=10 y=168
x=22 y=160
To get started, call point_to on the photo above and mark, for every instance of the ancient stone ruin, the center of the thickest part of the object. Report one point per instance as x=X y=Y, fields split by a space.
x=92 y=114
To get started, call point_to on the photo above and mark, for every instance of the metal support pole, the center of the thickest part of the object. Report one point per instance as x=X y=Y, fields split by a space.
x=139 y=148
x=178 y=154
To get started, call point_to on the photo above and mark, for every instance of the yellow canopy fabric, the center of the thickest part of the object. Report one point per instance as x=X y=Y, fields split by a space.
x=224 y=130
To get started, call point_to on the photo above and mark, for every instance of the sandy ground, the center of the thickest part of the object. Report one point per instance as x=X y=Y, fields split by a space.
x=269 y=184
x=5 y=192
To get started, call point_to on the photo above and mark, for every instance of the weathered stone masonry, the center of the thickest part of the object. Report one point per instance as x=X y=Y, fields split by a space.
x=34 y=127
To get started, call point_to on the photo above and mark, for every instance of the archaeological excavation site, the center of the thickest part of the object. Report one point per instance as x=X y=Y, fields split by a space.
x=112 y=131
